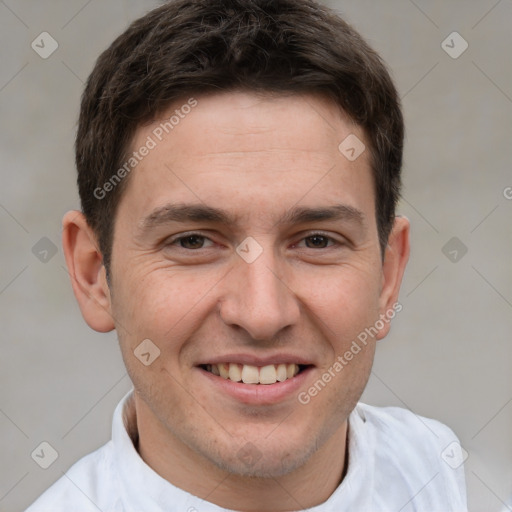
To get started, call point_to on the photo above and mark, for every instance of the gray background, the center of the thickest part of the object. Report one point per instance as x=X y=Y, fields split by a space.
x=448 y=355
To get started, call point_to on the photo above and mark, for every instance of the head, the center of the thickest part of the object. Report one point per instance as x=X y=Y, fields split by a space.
x=223 y=220
x=186 y=48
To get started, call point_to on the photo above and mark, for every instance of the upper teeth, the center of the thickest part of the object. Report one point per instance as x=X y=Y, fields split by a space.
x=249 y=374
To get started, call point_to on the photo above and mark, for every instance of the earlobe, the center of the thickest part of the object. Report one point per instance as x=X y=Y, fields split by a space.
x=85 y=266
x=393 y=268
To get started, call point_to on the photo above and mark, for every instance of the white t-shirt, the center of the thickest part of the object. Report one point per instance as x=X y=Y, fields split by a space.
x=397 y=462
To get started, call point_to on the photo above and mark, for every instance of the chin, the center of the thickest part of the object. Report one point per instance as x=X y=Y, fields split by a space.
x=273 y=460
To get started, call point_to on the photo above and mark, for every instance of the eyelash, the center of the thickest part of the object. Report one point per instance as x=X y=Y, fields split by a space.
x=176 y=240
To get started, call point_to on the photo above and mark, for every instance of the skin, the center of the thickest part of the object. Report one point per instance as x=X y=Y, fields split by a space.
x=256 y=157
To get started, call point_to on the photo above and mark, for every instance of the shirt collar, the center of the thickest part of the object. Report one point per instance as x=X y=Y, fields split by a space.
x=144 y=489
x=141 y=487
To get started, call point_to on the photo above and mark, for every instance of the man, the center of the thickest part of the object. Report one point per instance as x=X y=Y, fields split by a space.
x=239 y=167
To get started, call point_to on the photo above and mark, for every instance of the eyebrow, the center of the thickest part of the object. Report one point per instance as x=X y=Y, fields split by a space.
x=203 y=213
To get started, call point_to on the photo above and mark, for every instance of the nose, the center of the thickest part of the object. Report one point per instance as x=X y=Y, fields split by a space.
x=259 y=300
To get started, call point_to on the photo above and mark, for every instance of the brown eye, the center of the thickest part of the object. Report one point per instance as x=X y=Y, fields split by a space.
x=192 y=242
x=189 y=242
x=317 y=241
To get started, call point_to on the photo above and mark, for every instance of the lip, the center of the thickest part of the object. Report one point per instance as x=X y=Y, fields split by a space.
x=257 y=394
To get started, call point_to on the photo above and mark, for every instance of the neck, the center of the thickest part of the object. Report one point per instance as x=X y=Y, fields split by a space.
x=307 y=486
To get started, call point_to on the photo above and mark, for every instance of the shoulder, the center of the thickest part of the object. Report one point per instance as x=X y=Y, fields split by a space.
x=87 y=485
x=417 y=453
x=396 y=422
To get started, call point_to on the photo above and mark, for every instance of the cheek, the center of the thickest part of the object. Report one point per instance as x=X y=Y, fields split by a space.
x=345 y=298
x=162 y=305
x=346 y=304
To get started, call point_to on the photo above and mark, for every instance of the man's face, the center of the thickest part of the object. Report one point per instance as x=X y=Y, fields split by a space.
x=298 y=291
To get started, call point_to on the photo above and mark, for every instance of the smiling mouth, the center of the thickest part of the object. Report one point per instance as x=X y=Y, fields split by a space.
x=248 y=374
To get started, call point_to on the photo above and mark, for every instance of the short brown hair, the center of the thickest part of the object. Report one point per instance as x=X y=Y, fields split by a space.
x=187 y=47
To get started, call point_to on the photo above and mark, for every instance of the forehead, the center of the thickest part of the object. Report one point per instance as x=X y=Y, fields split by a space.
x=253 y=153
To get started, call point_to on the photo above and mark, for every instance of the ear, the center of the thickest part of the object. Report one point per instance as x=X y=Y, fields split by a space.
x=396 y=257
x=88 y=277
